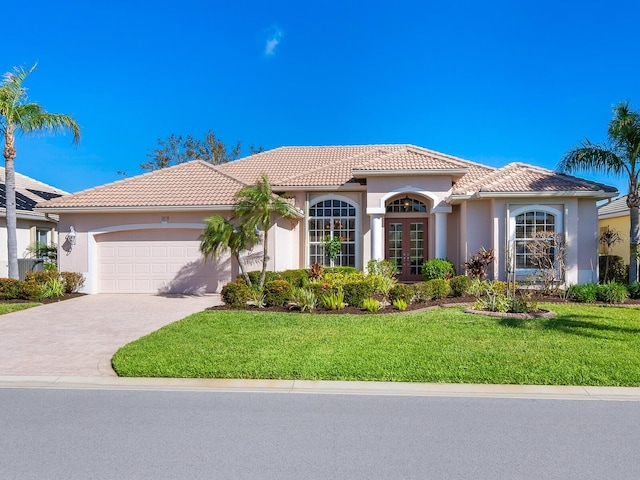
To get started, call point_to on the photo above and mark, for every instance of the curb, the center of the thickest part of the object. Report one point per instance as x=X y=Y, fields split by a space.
x=326 y=387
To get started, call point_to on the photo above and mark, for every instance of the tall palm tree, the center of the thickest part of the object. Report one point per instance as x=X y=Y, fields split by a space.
x=220 y=234
x=18 y=115
x=619 y=156
x=255 y=208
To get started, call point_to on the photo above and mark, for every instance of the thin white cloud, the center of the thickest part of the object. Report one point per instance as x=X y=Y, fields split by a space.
x=274 y=37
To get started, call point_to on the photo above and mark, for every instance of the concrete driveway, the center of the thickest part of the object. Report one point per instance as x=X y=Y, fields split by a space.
x=78 y=337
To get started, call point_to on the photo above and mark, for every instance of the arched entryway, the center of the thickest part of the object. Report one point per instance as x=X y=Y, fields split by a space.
x=406 y=232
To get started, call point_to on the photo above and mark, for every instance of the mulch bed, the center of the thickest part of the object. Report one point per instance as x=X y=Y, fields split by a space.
x=66 y=296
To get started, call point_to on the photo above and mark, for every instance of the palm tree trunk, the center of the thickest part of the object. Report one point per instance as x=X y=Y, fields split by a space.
x=265 y=258
x=243 y=269
x=9 y=153
x=633 y=201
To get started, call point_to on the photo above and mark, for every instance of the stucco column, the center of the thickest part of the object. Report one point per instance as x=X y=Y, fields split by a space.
x=377 y=244
x=441 y=234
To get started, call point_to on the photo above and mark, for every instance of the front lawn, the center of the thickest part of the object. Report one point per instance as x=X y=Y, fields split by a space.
x=14 y=307
x=583 y=345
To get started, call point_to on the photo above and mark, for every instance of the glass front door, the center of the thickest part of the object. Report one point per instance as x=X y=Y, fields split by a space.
x=406 y=247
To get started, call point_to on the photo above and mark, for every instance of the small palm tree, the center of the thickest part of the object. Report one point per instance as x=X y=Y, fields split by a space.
x=620 y=156
x=17 y=115
x=255 y=208
x=220 y=235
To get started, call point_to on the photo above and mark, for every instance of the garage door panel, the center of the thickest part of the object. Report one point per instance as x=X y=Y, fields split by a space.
x=142 y=252
x=159 y=268
x=157 y=261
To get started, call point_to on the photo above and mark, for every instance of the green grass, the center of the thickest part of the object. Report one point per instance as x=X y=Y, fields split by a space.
x=14 y=307
x=583 y=345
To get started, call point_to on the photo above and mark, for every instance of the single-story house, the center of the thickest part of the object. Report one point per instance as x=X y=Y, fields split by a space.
x=400 y=202
x=616 y=216
x=32 y=226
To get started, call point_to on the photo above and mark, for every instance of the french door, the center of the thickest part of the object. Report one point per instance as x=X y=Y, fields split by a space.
x=406 y=246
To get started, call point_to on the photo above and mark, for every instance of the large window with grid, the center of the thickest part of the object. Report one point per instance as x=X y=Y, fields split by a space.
x=332 y=219
x=528 y=226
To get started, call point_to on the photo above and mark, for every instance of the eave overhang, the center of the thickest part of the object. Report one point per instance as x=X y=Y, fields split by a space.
x=147 y=209
x=598 y=195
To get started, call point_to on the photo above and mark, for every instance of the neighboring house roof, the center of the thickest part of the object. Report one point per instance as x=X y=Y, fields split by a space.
x=614 y=208
x=192 y=184
x=199 y=184
x=28 y=193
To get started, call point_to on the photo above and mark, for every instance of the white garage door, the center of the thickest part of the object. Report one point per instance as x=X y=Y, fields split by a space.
x=157 y=261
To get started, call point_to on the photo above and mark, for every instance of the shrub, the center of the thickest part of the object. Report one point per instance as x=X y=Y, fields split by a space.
x=460 y=285
x=612 y=292
x=11 y=288
x=333 y=300
x=383 y=268
x=381 y=284
x=371 y=304
x=423 y=292
x=400 y=305
x=340 y=278
x=584 y=293
x=52 y=288
x=277 y=293
x=269 y=276
x=439 y=288
x=32 y=291
x=634 y=290
x=305 y=299
x=493 y=301
x=341 y=270
x=235 y=294
x=41 y=277
x=477 y=265
x=319 y=288
x=315 y=272
x=617 y=271
x=356 y=292
x=256 y=296
x=296 y=278
x=15 y=289
x=402 y=291
x=73 y=281
x=438 y=268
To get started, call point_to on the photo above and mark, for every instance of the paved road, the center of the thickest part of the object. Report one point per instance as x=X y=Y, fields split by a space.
x=78 y=337
x=107 y=434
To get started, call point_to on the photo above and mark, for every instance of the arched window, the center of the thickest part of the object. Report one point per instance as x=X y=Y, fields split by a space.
x=332 y=219
x=533 y=225
x=406 y=205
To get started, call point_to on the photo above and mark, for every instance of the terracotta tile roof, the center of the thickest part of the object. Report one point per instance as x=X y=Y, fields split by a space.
x=520 y=177
x=28 y=193
x=200 y=184
x=192 y=184
x=334 y=174
x=413 y=158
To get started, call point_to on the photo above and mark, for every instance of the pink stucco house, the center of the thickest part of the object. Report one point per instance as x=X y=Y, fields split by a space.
x=400 y=202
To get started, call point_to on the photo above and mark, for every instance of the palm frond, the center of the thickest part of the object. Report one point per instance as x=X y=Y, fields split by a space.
x=55 y=122
x=590 y=157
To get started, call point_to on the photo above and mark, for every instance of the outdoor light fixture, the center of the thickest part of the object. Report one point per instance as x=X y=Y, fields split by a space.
x=71 y=237
x=406 y=202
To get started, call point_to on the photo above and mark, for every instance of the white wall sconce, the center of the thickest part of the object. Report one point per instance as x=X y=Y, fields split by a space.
x=71 y=237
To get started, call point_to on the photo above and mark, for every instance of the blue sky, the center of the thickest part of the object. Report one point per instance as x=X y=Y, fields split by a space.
x=492 y=82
